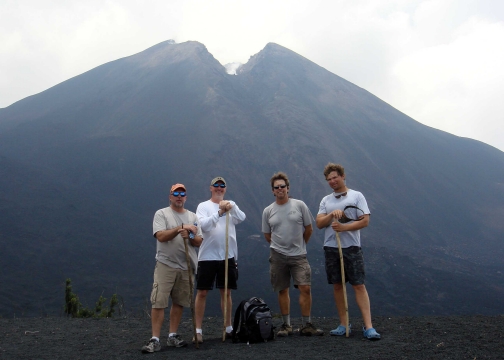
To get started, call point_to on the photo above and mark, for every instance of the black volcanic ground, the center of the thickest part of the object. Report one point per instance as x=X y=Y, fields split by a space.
x=456 y=337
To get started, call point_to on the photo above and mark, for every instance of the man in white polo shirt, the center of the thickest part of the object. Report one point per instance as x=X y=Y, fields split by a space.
x=212 y=253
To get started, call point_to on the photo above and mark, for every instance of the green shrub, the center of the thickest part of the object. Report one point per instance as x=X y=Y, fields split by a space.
x=74 y=308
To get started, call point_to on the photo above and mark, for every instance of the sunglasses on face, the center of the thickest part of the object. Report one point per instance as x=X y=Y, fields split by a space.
x=279 y=187
x=179 y=193
x=219 y=185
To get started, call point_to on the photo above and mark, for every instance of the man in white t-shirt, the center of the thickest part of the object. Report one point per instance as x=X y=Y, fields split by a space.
x=212 y=253
x=287 y=227
x=171 y=227
x=330 y=211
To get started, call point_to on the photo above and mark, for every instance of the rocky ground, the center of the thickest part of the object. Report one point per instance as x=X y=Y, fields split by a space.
x=455 y=337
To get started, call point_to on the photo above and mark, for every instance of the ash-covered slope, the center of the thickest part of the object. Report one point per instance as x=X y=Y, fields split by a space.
x=86 y=163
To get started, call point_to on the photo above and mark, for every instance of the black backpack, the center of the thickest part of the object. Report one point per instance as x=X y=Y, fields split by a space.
x=253 y=322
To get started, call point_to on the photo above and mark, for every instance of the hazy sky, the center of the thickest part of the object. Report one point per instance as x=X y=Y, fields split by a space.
x=438 y=61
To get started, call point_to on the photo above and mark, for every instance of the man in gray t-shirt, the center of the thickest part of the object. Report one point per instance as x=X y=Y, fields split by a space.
x=287 y=226
x=331 y=211
x=172 y=226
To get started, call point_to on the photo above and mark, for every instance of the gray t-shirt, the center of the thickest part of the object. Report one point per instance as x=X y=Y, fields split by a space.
x=172 y=253
x=330 y=203
x=286 y=224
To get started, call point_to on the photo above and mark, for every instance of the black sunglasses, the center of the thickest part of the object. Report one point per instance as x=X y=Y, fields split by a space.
x=177 y=193
x=279 y=187
x=217 y=185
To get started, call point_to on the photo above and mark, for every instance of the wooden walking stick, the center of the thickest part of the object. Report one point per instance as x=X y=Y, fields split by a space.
x=191 y=290
x=343 y=283
x=226 y=276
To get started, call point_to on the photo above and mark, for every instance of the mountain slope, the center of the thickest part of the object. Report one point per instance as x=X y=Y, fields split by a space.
x=86 y=163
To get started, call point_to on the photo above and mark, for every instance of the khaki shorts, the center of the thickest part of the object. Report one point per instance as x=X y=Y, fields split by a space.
x=283 y=267
x=170 y=282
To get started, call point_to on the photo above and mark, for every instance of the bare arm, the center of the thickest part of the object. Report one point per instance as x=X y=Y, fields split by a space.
x=267 y=236
x=354 y=225
x=167 y=235
x=307 y=233
x=324 y=220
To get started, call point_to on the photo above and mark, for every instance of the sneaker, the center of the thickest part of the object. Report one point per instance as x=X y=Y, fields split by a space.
x=229 y=335
x=309 y=330
x=151 y=346
x=285 y=330
x=200 y=339
x=176 y=341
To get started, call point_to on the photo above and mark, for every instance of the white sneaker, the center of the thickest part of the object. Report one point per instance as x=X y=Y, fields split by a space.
x=152 y=346
x=176 y=341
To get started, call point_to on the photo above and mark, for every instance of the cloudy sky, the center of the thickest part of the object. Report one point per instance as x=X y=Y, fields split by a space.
x=438 y=61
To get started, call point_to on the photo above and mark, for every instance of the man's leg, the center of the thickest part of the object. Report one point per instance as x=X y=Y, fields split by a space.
x=339 y=298
x=229 y=306
x=305 y=299
x=175 y=317
x=157 y=318
x=284 y=301
x=199 y=307
x=362 y=298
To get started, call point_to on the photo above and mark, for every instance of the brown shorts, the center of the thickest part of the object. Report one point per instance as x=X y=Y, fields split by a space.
x=170 y=282
x=283 y=267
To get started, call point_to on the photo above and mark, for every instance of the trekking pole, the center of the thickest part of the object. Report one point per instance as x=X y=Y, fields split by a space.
x=343 y=283
x=226 y=276
x=191 y=290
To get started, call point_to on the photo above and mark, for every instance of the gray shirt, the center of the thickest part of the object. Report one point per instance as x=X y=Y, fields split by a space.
x=286 y=223
x=172 y=253
x=330 y=203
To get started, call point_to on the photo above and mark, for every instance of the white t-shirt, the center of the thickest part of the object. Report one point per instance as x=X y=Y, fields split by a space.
x=172 y=253
x=286 y=223
x=330 y=203
x=214 y=231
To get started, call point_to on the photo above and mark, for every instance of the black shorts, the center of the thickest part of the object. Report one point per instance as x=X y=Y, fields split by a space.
x=353 y=261
x=212 y=270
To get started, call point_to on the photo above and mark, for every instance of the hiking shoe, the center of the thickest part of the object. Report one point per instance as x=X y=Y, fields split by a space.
x=341 y=330
x=370 y=334
x=309 y=330
x=151 y=346
x=285 y=330
x=200 y=339
x=176 y=341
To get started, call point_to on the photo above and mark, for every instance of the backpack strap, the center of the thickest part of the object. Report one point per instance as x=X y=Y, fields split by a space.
x=238 y=318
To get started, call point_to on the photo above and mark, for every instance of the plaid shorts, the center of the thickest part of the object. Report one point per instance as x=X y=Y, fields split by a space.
x=353 y=261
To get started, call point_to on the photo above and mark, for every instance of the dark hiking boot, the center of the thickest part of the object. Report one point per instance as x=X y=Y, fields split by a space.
x=310 y=330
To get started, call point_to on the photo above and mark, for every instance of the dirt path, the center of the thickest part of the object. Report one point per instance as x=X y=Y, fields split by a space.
x=456 y=337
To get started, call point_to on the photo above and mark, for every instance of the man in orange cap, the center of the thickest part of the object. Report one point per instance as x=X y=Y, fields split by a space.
x=171 y=279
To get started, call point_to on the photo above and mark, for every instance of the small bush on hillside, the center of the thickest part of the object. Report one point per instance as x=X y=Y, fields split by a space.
x=74 y=308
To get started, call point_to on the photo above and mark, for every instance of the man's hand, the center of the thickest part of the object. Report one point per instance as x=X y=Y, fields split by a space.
x=339 y=227
x=225 y=206
x=184 y=231
x=337 y=214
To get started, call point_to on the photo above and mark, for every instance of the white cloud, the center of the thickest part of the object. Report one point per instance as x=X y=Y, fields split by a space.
x=457 y=86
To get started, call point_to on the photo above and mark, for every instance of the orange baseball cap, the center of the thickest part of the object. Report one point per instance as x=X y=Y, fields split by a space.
x=177 y=186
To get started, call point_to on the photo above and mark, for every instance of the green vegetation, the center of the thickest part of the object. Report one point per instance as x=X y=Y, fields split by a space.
x=74 y=308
